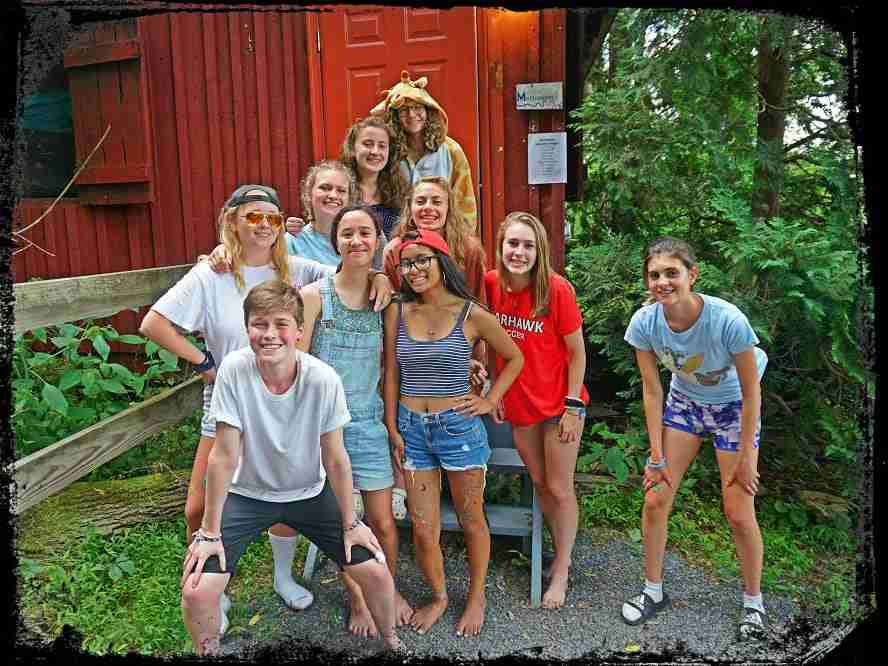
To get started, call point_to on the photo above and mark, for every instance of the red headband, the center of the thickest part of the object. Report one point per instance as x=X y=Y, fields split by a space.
x=429 y=239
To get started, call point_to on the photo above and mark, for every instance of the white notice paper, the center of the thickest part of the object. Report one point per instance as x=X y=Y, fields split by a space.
x=547 y=158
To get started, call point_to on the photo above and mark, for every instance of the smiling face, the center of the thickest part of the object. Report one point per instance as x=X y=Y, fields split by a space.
x=413 y=117
x=519 y=249
x=372 y=149
x=420 y=279
x=668 y=279
x=258 y=236
x=356 y=238
x=328 y=194
x=428 y=207
x=273 y=335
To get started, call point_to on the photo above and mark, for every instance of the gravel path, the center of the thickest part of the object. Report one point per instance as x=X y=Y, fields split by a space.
x=701 y=624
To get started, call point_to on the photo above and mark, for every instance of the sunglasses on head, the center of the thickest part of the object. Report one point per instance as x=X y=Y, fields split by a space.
x=255 y=217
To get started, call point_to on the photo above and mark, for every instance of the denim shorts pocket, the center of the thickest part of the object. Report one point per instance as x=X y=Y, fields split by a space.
x=460 y=427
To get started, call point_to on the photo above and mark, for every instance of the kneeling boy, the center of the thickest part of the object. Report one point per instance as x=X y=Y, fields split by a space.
x=279 y=415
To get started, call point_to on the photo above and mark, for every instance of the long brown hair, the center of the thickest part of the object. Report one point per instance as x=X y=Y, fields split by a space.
x=228 y=234
x=541 y=273
x=391 y=183
x=456 y=231
x=433 y=133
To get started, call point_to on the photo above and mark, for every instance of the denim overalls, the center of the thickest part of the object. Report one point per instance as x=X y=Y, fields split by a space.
x=351 y=342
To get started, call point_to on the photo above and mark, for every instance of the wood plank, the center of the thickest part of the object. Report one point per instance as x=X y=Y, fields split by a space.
x=215 y=124
x=180 y=38
x=100 y=53
x=115 y=174
x=49 y=470
x=289 y=191
x=50 y=302
x=260 y=59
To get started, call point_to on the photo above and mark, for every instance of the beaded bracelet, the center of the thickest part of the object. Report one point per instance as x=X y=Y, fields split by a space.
x=574 y=402
x=200 y=536
x=650 y=464
x=356 y=522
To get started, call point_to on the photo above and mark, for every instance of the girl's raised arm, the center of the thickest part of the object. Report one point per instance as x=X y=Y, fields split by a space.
x=311 y=302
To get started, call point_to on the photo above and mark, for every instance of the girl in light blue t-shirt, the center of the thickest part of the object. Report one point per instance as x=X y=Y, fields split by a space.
x=710 y=348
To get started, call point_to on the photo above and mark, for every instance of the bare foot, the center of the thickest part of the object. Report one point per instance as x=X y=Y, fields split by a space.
x=360 y=622
x=555 y=595
x=424 y=618
x=473 y=618
x=403 y=610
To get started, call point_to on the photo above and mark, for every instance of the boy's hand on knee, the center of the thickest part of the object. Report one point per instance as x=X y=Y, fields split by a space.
x=361 y=535
x=198 y=553
x=745 y=475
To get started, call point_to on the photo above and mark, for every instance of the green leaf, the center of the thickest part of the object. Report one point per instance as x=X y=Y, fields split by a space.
x=112 y=386
x=614 y=458
x=55 y=399
x=115 y=573
x=168 y=357
x=101 y=347
x=39 y=334
x=151 y=348
x=81 y=413
x=70 y=379
x=131 y=339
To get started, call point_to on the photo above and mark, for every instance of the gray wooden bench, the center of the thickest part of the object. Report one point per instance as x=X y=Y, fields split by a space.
x=524 y=520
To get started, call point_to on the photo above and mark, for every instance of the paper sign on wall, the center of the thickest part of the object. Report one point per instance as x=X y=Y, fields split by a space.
x=533 y=96
x=547 y=158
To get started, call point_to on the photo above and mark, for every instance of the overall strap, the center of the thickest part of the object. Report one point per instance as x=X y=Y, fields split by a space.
x=462 y=315
x=327 y=291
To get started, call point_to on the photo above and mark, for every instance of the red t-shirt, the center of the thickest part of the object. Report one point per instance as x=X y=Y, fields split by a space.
x=539 y=391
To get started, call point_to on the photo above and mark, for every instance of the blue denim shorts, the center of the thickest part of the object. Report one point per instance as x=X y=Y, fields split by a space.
x=445 y=440
x=367 y=444
x=722 y=420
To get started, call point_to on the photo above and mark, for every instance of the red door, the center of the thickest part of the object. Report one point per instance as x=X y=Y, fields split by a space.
x=363 y=49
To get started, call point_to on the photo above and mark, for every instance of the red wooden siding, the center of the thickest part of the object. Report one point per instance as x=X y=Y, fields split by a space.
x=518 y=47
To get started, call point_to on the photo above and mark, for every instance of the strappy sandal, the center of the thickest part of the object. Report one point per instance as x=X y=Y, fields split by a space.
x=646 y=606
x=754 y=624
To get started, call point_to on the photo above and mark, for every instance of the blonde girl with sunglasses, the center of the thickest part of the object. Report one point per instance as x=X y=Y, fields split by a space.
x=251 y=227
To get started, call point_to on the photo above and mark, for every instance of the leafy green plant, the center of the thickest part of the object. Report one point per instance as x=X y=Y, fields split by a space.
x=59 y=392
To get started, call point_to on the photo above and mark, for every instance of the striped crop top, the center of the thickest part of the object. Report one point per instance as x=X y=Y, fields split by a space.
x=437 y=368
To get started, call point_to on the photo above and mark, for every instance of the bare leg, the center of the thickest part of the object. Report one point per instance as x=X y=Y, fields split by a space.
x=378 y=590
x=560 y=463
x=378 y=511
x=680 y=448
x=201 y=612
x=424 y=497
x=467 y=489
x=740 y=511
x=194 y=502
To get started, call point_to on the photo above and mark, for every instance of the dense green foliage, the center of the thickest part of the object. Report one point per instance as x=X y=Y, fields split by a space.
x=74 y=385
x=670 y=146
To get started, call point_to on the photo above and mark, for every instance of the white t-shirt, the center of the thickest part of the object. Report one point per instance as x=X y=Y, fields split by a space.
x=281 y=434
x=212 y=304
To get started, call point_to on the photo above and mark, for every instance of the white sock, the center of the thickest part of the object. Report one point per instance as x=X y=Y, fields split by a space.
x=750 y=601
x=653 y=590
x=284 y=551
x=224 y=606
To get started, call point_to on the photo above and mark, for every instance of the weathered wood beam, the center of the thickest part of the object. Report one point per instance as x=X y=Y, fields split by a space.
x=47 y=471
x=51 y=302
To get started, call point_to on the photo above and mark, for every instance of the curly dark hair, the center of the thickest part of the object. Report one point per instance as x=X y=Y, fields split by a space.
x=392 y=186
x=433 y=133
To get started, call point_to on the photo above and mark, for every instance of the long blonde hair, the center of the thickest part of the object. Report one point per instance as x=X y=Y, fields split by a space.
x=456 y=231
x=391 y=183
x=541 y=273
x=228 y=234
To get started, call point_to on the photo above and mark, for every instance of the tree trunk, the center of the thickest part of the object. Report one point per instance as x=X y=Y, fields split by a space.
x=773 y=76
x=107 y=506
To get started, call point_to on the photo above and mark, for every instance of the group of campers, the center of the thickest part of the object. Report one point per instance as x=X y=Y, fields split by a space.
x=351 y=353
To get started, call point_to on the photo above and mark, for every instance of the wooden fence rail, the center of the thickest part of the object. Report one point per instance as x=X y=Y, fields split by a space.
x=52 y=302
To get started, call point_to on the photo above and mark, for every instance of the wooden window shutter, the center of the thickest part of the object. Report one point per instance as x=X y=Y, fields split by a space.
x=107 y=86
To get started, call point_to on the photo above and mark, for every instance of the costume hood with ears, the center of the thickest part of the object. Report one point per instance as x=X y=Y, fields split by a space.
x=409 y=91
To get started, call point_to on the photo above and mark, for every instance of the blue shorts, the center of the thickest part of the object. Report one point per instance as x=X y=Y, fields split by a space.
x=722 y=420
x=367 y=444
x=445 y=440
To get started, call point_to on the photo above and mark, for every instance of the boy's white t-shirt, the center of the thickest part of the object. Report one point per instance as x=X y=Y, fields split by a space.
x=701 y=358
x=281 y=434
x=212 y=304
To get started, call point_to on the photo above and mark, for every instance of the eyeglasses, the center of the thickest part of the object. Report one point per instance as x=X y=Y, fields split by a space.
x=412 y=109
x=421 y=263
x=255 y=217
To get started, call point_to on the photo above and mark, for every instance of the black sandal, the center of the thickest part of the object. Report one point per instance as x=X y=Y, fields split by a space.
x=750 y=628
x=646 y=606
